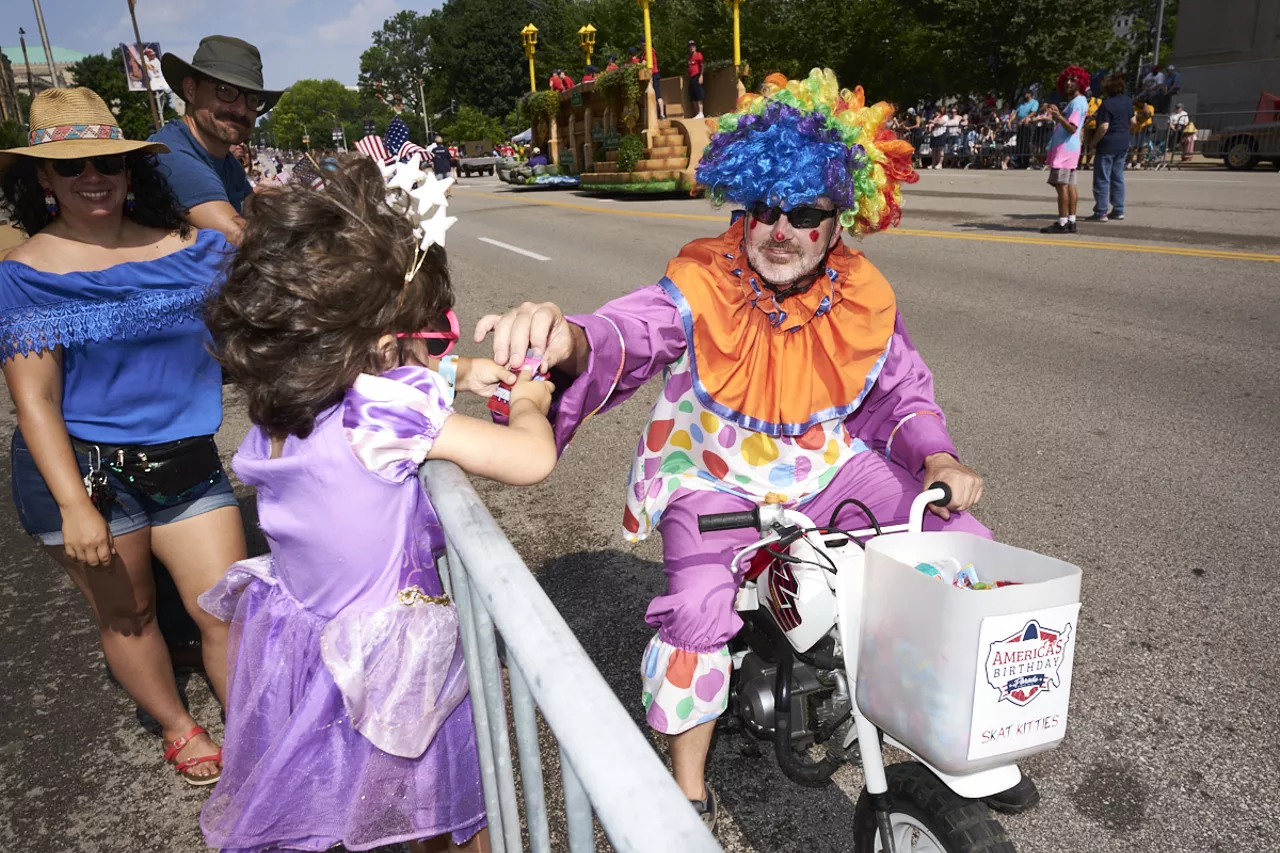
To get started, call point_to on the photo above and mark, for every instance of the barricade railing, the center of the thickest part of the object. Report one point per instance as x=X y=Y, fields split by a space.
x=1241 y=139
x=606 y=764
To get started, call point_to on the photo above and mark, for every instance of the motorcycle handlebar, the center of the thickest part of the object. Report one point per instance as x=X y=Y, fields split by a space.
x=729 y=520
x=946 y=494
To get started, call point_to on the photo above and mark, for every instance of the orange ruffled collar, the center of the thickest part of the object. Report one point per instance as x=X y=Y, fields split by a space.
x=780 y=366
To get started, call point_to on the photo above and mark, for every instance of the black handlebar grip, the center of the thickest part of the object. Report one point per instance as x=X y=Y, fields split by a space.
x=946 y=496
x=728 y=520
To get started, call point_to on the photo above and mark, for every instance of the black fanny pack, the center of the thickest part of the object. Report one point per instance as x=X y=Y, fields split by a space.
x=170 y=473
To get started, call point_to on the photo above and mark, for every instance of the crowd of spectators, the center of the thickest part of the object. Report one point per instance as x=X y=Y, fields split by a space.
x=994 y=133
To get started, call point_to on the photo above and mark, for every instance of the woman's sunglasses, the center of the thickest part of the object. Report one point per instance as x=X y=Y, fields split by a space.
x=800 y=216
x=450 y=337
x=110 y=164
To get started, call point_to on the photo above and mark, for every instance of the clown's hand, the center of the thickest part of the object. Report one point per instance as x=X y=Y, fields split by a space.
x=537 y=326
x=965 y=483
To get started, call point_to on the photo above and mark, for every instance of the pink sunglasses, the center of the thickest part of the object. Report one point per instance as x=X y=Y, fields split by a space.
x=451 y=336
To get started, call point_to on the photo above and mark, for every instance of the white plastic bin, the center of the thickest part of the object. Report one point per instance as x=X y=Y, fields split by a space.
x=967 y=679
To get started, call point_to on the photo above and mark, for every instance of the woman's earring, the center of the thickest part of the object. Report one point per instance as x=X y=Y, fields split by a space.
x=129 y=202
x=50 y=204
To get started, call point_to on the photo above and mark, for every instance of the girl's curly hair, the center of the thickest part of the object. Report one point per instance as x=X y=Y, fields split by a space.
x=156 y=206
x=318 y=279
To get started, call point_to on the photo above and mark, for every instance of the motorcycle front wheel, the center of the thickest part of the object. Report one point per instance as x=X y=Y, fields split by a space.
x=928 y=817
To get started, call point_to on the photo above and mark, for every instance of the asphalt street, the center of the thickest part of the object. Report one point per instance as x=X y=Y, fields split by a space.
x=1117 y=388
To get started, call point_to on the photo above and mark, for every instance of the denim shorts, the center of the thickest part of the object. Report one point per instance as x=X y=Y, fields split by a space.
x=39 y=514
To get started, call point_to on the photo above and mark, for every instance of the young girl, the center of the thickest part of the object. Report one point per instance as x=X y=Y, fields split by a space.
x=348 y=720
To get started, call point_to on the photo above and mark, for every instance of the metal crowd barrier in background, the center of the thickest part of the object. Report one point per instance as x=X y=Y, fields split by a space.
x=605 y=761
x=1241 y=139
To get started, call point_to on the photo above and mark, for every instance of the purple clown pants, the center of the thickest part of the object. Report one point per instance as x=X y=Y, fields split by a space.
x=686 y=665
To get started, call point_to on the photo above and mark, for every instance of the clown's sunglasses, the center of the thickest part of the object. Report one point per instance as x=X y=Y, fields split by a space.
x=450 y=337
x=800 y=216
x=109 y=164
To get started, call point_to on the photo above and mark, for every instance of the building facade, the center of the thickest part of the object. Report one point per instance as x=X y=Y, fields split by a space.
x=10 y=110
x=1228 y=52
x=37 y=75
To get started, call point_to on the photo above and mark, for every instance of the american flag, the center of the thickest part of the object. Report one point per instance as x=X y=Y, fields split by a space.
x=398 y=140
x=305 y=173
x=373 y=147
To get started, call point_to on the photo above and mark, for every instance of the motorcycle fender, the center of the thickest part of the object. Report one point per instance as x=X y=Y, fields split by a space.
x=972 y=786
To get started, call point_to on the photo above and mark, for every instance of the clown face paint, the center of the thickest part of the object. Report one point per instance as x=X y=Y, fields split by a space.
x=781 y=254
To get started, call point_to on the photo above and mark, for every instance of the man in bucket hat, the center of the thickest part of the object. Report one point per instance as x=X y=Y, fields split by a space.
x=224 y=93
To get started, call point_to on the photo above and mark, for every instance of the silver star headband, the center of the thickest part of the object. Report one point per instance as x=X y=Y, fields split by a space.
x=415 y=193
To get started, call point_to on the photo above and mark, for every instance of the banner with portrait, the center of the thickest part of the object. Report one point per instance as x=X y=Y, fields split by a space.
x=148 y=63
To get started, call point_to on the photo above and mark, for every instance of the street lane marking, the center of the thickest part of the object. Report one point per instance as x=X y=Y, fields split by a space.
x=1220 y=254
x=515 y=249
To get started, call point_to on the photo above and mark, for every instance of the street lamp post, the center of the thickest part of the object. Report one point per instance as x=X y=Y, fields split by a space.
x=737 y=37
x=529 y=38
x=587 y=39
x=648 y=34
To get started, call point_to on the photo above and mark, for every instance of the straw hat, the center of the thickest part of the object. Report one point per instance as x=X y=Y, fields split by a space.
x=70 y=123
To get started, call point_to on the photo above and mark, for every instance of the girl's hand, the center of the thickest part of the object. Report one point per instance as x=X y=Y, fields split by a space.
x=537 y=392
x=86 y=535
x=484 y=375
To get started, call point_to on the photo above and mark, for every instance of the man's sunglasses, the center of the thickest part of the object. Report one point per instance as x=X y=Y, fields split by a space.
x=110 y=164
x=800 y=216
x=450 y=337
x=229 y=94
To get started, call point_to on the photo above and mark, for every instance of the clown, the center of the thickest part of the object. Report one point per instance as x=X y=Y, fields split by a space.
x=788 y=376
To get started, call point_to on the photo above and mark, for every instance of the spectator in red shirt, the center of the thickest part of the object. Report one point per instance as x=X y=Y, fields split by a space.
x=566 y=82
x=557 y=85
x=634 y=59
x=590 y=76
x=697 y=93
x=613 y=63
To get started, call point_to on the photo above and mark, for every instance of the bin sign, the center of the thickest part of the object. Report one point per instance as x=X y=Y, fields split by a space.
x=369 y=128
x=148 y=62
x=337 y=134
x=1023 y=680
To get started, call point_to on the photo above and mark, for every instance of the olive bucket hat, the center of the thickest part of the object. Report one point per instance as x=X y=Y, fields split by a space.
x=70 y=123
x=225 y=59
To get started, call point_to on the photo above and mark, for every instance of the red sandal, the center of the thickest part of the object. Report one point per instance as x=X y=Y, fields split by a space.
x=184 y=767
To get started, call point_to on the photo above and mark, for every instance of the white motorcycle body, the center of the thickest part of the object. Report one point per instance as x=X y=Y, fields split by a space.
x=808 y=603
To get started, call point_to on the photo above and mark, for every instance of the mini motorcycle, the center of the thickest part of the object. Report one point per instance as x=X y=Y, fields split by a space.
x=793 y=683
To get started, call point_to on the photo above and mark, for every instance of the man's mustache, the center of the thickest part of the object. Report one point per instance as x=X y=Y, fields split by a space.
x=234 y=118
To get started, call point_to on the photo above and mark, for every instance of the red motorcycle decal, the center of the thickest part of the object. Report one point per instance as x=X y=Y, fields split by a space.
x=783 y=595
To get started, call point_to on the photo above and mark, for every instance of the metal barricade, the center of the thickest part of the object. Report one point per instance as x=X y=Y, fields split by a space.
x=605 y=762
x=1241 y=140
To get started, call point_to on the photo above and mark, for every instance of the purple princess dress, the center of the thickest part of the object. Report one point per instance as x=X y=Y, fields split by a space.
x=348 y=720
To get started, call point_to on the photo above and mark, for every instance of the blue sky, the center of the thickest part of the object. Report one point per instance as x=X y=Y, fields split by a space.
x=298 y=38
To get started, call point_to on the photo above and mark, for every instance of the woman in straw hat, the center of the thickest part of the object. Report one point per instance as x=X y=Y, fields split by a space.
x=106 y=357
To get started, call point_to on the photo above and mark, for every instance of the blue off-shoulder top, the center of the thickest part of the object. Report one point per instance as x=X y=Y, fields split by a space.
x=137 y=365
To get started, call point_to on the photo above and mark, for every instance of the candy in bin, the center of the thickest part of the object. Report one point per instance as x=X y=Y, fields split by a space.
x=500 y=402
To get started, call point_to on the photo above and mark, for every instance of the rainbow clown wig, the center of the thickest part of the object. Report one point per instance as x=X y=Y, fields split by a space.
x=801 y=139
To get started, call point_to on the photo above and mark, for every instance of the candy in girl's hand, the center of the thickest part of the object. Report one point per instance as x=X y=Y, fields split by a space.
x=500 y=402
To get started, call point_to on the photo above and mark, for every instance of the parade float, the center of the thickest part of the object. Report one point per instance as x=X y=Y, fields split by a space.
x=606 y=135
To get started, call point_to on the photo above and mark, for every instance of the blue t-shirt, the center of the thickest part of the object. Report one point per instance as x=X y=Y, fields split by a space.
x=136 y=366
x=1026 y=108
x=195 y=175
x=1115 y=111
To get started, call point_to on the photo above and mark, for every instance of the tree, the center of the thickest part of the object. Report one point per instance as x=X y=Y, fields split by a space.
x=391 y=70
x=315 y=107
x=107 y=78
x=473 y=125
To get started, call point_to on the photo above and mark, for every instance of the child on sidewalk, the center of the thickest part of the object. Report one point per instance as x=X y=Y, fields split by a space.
x=348 y=720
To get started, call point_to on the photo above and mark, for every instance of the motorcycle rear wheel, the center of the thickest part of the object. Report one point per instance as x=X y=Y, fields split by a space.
x=928 y=817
